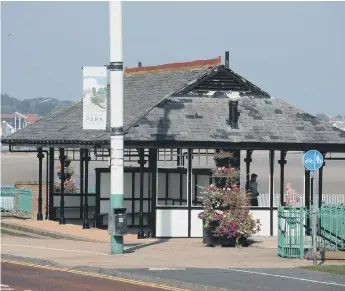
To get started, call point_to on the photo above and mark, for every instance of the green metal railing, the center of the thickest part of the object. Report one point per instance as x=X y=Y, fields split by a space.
x=291 y=232
x=25 y=200
x=292 y=229
x=332 y=227
x=8 y=198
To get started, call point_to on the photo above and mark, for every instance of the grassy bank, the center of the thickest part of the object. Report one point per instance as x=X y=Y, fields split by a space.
x=332 y=269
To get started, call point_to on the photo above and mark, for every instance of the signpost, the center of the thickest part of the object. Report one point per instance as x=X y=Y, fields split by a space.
x=313 y=161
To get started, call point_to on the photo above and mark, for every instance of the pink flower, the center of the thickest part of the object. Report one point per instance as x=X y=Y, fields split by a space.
x=219 y=212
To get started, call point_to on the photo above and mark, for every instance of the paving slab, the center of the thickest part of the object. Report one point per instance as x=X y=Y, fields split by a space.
x=72 y=230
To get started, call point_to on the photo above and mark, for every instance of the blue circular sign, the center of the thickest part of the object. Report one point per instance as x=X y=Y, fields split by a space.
x=312 y=160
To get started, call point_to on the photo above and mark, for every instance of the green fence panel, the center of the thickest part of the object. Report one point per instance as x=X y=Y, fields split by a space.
x=8 y=198
x=291 y=232
x=25 y=200
x=332 y=227
x=292 y=229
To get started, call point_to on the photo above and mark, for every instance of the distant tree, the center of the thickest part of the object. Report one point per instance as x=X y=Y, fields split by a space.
x=323 y=117
x=338 y=117
x=40 y=105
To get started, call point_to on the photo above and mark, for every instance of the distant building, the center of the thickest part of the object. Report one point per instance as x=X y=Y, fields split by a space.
x=339 y=124
x=11 y=123
x=6 y=128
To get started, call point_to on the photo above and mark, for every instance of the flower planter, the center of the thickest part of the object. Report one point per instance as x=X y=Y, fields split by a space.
x=211 y=241
x=208 y=238
x=226 y=209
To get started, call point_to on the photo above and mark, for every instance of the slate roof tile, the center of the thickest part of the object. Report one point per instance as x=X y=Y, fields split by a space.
x=293 y=125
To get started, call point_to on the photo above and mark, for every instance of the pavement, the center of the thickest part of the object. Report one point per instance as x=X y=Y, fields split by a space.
x=186 y=253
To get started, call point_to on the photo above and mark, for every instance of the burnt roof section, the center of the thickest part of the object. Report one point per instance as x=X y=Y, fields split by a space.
x=260 y=121
x=220 y=79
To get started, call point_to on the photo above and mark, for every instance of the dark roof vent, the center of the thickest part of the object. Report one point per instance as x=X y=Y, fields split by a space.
x=227 y=62
x=233 y=113
x=194 y=116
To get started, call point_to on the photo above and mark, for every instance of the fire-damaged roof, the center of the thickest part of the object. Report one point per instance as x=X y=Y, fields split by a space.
x=186 y=103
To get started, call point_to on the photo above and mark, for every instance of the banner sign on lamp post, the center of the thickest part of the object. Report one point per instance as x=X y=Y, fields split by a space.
x=95 y=98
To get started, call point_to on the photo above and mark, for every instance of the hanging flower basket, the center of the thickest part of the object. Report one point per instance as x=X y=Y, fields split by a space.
x=70 y=186
x=67 y=170
x=222 y=155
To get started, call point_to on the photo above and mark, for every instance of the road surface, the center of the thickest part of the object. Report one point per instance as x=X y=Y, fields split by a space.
x=16 y=277
x=251 y=279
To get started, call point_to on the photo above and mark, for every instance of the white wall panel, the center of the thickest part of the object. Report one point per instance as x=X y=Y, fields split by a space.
x=275 y=222
x=196 y=224
x=172 y=223
x=264 y=216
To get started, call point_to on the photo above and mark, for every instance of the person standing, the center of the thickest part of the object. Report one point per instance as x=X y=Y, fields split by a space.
x=291 y=197
x=252 y=189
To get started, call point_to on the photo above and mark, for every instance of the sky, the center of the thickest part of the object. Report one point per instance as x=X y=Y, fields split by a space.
x=292 y=50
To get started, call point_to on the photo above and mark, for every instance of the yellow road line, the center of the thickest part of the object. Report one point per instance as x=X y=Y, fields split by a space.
x=113 y=278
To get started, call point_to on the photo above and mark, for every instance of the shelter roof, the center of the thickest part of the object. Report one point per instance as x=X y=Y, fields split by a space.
x=144 y=89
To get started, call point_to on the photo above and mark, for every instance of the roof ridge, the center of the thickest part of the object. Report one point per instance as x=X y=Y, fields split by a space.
x=193 y=65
